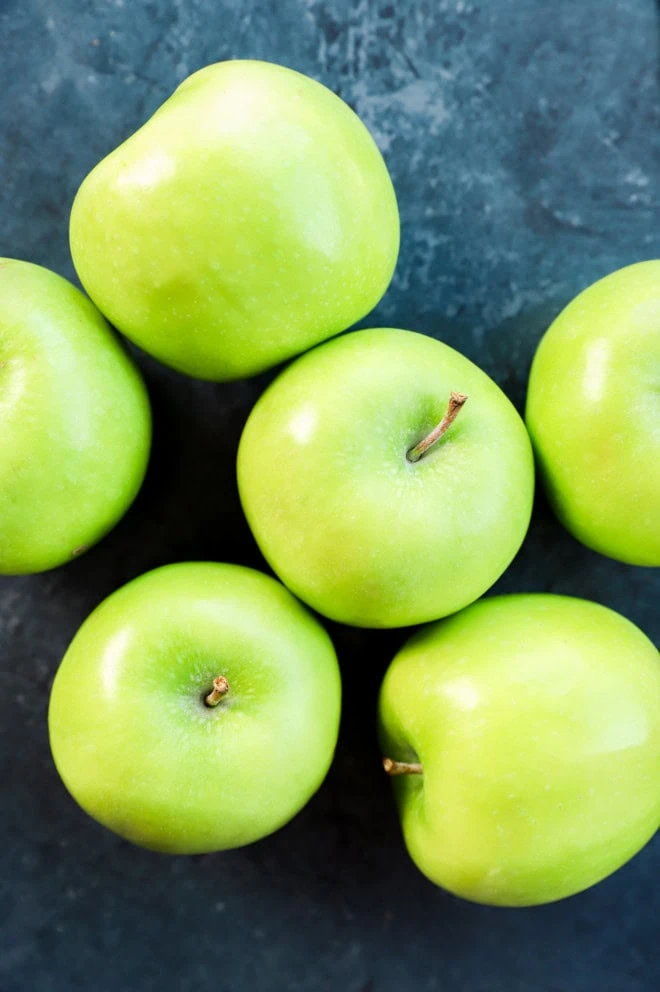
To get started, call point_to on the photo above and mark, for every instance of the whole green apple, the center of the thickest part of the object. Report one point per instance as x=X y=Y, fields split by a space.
x=75 y=424
x=375 y=494
x=196 y=709
x=250 y=218
x=524 y=734
x=593 y=412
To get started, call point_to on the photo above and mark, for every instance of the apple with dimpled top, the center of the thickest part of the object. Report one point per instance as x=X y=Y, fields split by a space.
x=196 y=709
x=386 y=478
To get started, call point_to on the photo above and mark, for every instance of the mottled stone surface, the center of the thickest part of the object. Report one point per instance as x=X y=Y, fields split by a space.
x=523 y=139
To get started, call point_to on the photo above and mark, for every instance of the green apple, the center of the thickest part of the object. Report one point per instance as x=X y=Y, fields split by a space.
x=75 y=424
x=593 y=412
x=375 y=495
x=196 y=709
x=524 y=734
x=250 y=218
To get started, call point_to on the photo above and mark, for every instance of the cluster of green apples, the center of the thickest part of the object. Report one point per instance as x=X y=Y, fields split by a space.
x=388 y=482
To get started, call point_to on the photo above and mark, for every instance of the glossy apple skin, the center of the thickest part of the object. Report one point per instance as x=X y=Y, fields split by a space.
x=593 y=412
x=250 y=218
x=536 y=719
x=75 y=423
x=133 y=740
x=347 y=522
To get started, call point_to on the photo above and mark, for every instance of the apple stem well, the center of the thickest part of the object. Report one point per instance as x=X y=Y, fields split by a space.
x=456 y=402
x=402 y=767
x=219 y=690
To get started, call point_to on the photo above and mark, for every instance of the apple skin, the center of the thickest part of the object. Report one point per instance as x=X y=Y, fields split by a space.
x=133 y=740
x=346 y=521
x=593 y=413
x=250 y=218
x=536 y=719
x=75 y=423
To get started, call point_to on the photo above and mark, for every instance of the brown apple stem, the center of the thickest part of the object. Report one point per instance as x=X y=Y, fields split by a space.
x=402 y=767
x=220 y=689
x=456 y=401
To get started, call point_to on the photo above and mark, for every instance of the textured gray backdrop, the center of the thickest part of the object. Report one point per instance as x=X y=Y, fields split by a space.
x=522 y=136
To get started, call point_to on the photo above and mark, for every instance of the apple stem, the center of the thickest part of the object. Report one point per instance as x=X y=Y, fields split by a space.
x=456 y=401
x=402 y=767
x=220 y=689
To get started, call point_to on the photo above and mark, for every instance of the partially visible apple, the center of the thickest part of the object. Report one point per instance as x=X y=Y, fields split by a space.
x=375 y=494
x=524 y=736
x=75 y=424
x=593 y=412
x=196 y=709
x=250 y=218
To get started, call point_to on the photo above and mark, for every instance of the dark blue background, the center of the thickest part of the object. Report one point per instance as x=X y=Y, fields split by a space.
x=523 y=139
